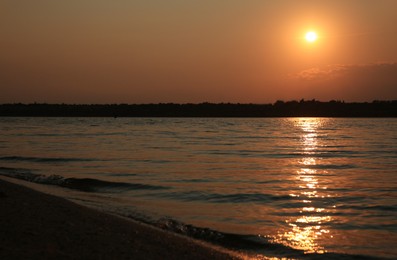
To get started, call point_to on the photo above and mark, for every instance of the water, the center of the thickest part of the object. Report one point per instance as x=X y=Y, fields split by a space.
x=275 y=186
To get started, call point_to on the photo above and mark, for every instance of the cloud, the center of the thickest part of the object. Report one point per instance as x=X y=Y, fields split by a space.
x=327 y=73
x=351 y=81
x=375 y=70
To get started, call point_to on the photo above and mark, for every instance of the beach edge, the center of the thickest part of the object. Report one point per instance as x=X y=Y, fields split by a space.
x=40 y=225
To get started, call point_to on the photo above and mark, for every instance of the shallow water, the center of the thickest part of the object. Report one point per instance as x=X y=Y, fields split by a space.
x=312 y=184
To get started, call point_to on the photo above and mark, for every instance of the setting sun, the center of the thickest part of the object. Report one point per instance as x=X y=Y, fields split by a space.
x=311 y=36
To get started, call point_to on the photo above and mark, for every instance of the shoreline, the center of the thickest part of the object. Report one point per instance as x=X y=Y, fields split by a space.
x=37 y=225
x=293 y=108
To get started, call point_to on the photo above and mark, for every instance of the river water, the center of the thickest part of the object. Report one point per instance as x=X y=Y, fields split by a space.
x=276 y=186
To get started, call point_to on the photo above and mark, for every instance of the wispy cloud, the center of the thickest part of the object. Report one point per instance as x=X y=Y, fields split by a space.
x=350 y=81
x=379 y=71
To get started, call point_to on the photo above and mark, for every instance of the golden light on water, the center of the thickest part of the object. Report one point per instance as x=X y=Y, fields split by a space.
x=305 y=231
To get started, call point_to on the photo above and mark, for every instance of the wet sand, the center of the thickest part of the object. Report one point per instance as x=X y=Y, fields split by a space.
x=35 y=225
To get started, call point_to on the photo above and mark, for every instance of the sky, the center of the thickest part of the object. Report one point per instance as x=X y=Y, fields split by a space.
x=152 y=51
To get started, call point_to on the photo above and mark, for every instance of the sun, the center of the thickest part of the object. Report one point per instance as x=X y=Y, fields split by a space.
x=311 y=36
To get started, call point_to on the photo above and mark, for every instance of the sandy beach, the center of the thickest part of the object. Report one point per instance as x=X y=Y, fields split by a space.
x=35 y=225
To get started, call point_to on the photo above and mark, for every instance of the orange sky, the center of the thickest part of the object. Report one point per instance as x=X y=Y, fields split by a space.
x=149 y=51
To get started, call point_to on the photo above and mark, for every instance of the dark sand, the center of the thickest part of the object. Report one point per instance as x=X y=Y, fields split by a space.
x=35 y=225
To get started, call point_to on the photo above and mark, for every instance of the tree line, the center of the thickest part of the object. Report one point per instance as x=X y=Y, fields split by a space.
x=302 y=108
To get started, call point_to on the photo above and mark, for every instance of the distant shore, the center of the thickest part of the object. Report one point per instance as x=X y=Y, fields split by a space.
x=40 y=226
x=302 y=108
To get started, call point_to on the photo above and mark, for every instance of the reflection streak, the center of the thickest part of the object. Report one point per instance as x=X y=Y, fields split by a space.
x=304 y=232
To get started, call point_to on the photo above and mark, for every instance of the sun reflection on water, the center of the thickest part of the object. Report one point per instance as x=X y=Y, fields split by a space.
x=305 y=230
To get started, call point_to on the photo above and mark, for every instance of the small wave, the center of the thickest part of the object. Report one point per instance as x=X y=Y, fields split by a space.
x=95 y=185
x=376 y=208
x=269 y=181
x=255 y=244
x=43 y=160
x=224 y=198
x=228 y=240
x=81 y=184
x=331 y=166
x=153 y=161
x=121 y=174
x=194 y=180
x=315 y=154
x=350 y=226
